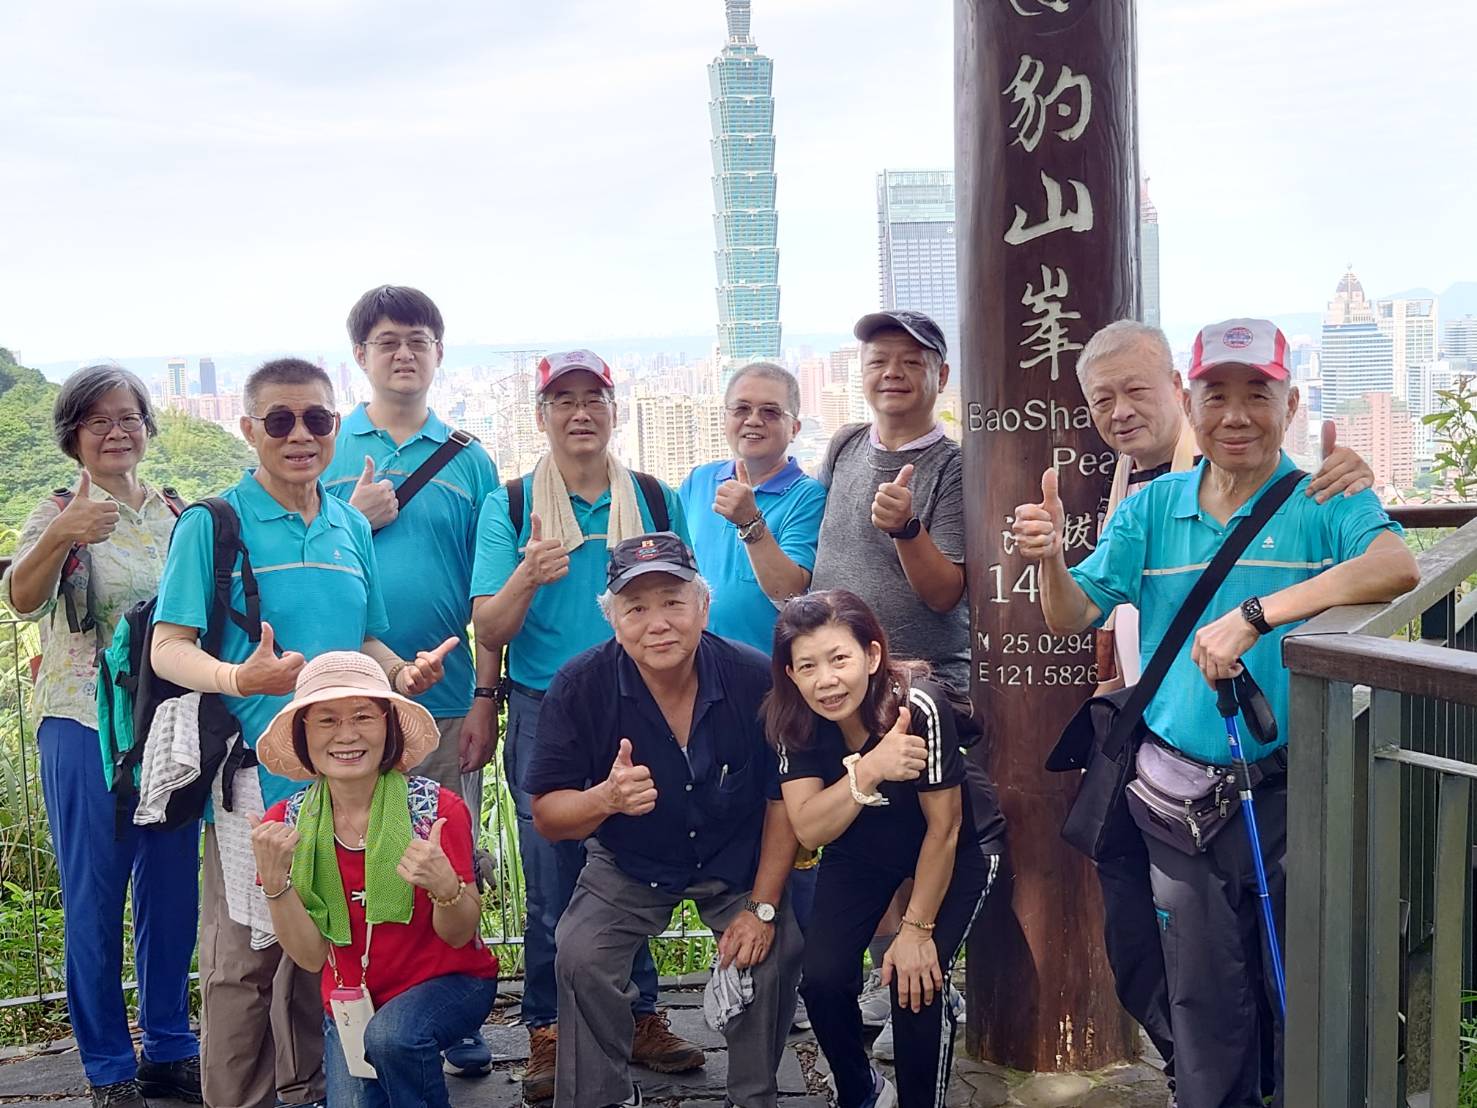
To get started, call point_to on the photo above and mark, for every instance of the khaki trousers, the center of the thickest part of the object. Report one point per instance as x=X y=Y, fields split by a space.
x=261 y=1016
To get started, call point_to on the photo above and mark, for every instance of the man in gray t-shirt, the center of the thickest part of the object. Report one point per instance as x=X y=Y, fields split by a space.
x=893 y=531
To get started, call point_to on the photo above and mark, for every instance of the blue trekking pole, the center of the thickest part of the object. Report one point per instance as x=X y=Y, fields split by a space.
x=1225 y=702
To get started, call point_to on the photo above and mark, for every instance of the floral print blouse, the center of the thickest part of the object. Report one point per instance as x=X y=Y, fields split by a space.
x=125 y=569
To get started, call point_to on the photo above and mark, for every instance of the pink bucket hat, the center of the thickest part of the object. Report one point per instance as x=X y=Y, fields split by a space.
x=334 y=676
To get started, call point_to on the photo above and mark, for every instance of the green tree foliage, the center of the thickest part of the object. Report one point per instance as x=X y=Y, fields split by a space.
x=197 y=457
x=1455 y=428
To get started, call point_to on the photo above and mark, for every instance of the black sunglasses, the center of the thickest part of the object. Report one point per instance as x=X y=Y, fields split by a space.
x=279 y=422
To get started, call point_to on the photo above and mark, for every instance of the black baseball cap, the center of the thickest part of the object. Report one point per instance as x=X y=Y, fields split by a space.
x=658 y=552
x=920 y=326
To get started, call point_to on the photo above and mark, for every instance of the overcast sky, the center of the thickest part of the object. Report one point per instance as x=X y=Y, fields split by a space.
x=229 y=176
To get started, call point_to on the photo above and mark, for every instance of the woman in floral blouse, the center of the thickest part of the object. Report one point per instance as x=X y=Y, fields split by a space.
x=103 y=421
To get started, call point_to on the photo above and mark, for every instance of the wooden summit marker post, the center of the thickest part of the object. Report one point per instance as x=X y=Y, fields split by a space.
x=1047 y=219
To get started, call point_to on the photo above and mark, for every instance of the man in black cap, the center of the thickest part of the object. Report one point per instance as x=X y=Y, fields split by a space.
x=893 y=532
x=650 y=745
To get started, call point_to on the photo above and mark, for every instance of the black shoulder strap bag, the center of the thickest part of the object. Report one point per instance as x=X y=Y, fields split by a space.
x=1104 y=736
x=456 y=440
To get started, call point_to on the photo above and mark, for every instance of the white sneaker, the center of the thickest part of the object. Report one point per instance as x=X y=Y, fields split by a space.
x=882 y=1048
x=801 y=1020
x=957 y=1004
x=875 y=1001
x=885 y=1095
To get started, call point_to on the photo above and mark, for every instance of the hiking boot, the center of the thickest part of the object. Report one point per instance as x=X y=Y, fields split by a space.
x=120 y=1094
x=538 y=1075
x=656 y=1047
x=178 y=1080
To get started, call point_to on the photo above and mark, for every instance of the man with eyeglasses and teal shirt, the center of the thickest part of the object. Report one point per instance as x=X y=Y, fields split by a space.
x=319 y=590
x=543 y=544
x=755 y=518
x=426 y=544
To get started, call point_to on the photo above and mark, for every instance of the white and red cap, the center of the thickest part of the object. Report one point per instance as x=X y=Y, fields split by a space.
x=554 y=365
x=1257 y=343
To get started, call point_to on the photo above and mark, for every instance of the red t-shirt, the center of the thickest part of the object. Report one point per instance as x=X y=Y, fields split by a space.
x=405 y=954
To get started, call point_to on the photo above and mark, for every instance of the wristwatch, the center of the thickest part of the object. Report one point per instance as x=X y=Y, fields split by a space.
x=909 y=530
x=485 y=692
x=764 y=912
x=753 y=530
x=1251 y=611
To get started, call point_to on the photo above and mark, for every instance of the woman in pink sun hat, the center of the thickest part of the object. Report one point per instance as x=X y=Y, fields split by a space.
x=368 y=873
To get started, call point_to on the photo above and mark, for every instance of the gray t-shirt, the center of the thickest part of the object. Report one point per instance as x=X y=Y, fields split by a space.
x=855 y=555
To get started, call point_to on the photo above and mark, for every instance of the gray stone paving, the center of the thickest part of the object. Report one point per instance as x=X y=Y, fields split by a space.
x=53 y=1077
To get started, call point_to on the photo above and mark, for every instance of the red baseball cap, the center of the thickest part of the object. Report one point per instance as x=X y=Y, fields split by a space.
x=554 y=365
x=1257 y=343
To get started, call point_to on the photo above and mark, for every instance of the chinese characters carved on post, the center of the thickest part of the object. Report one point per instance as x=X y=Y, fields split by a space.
x=1035 y=109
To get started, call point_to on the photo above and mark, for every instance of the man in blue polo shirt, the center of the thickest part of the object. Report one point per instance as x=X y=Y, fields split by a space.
x=1309 y=557
x=652 y=743
x=426 y=545
x=755 y=518
x=319 y=590
x=542 y=547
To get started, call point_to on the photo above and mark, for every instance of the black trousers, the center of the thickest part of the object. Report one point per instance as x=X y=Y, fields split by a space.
x=1131 y=936
x=851 y=896
x=1222 y=996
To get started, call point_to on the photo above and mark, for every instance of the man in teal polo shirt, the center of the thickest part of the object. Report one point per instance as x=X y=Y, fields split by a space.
x=755 y=518
x=425 y=547
x=319 y=590
x=1309 y=557
x=541 y=559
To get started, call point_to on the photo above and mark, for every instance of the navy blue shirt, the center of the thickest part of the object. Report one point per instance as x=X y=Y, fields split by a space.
x=709 y=814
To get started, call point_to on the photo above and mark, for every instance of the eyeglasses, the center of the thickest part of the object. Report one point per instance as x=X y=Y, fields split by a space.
x=102 y=426
x=418 y=344
x=279 y=422
x=359 y=722
x=594 y=404
x=768 y=413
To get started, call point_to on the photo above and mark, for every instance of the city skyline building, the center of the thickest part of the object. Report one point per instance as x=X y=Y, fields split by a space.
x=1379 y=429
x=1411 y=325
x=916 y=256
x=1149 y=255
x=745 y=221
x=176 y=379
x=208 y=385
x=1356 y=357
x=1459 y=339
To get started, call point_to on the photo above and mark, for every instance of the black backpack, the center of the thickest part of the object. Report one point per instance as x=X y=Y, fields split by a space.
x=130 y=692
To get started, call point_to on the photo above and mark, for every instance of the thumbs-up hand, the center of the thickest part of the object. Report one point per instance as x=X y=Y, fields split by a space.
x=272 y=845
x=892 y=507
x=1342 y=471
x=376 y=499
x=263 y=673
x=545 y=560
x=85 y=520
x=1038 y=527
x=734 y=499
x=426 y=670
x=629 y=790
x=900 y=755
x=426 y=866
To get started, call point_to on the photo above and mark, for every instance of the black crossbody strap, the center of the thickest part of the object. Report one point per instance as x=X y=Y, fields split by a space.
x=1194 y=606
x=433 y=465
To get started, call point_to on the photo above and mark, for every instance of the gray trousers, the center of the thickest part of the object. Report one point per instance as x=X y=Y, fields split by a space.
x=1222 y=996
x=608 y=918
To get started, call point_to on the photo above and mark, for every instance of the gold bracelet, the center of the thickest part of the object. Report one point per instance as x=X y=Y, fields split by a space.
x=280 y=892
x=927 y=928
x=461 y=887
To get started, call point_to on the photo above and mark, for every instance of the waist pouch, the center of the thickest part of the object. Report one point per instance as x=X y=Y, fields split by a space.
x=1184 y=803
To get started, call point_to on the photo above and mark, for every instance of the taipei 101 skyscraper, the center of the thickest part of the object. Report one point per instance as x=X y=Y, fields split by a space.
x=744 y=218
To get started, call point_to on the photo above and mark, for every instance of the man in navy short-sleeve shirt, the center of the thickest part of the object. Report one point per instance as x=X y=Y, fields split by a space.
x=651 y=746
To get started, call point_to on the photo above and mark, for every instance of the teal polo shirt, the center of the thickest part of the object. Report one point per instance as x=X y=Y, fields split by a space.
x=425 y=555
x=1154 y=549
x=564 y=618
x=792 y=504
x=318 y=584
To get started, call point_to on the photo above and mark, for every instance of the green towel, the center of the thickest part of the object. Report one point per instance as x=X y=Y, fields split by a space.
x=388 y=897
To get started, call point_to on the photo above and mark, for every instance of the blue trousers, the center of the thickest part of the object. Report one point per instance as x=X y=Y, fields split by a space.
x=403 y=1042
x=549 y=873
x=96 y=868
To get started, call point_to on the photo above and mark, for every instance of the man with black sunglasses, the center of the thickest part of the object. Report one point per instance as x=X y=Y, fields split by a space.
x=319 y=590
x=426 y=544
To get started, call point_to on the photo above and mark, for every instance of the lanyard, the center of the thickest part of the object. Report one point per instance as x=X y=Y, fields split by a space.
x=363 y=962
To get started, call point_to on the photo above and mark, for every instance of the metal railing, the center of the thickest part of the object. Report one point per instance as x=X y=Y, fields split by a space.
x=1383 y=752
